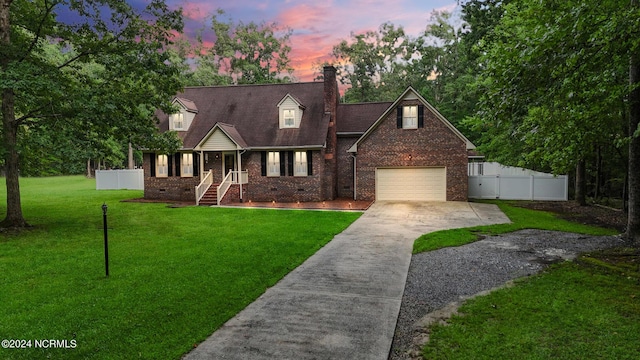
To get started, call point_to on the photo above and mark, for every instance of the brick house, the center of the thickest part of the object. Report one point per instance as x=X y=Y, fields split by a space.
x=296 y=142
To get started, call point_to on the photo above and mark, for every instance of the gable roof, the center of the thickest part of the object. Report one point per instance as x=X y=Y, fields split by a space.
x=411 y=92
x=251 y=111
x=293 y=98
x=229 y=131
x=187 y=104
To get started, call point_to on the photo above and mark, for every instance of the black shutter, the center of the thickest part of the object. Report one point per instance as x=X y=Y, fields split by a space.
x=196 y=164
x=178 y=169
x=152 y=162
x=290 y=162
x=309 y=163
x=283 y=165
x=399 y=117
x=170 y=162
x=263 y=163
x=420 y=116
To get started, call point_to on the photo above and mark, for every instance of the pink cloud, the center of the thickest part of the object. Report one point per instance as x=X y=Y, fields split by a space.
x=317 y=26
x=198 y=11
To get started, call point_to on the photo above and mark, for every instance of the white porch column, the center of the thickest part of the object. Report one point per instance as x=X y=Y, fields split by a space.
x=201 y=165
x=239 y=163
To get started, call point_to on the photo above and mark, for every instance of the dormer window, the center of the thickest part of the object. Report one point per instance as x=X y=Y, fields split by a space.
x=290 y=112
x=178 y=121
x=186 y=113
x=289 y=116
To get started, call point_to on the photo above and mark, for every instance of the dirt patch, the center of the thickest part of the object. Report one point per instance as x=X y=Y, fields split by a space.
x=572 y=211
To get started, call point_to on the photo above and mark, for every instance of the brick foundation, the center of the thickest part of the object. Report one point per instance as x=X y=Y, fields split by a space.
x=168 y=188
x=283 y=188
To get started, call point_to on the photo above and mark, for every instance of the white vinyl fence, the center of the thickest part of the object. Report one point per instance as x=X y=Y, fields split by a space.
x=120 y=179
x=511 y=183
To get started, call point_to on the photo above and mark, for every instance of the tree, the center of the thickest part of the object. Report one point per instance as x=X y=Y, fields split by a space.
x=555 y=88
x=374 y=63
x=250 y=53
x=633 y=223
x=198 y=66
x=133 y=78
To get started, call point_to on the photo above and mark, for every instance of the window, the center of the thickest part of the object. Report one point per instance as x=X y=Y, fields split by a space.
x=289 y=113
x=300 y=163
x=162 y=166
x=273 y=163
x=187 y=165
x=410 y=117
x=178 y=121
x=289 y=116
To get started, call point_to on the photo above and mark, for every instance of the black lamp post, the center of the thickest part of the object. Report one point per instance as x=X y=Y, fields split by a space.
x=106 y=243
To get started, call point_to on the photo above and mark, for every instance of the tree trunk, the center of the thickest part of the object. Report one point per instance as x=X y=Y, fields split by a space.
x=597 y=195
x=130 y=164
x=14 y=216
x=633 y=220
x=581 y=183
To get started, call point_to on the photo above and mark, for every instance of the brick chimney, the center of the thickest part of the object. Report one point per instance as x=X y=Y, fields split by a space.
x=331 y=97
x=331 y=94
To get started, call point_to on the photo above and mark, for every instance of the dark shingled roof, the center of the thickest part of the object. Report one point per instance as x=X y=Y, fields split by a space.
x=357 y=118
x=188 y=104
x=251 y=110
x=232 y=132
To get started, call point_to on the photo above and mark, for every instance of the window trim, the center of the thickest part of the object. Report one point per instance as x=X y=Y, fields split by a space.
x=186 y=167
x=180 y=116
x=273 y=163
x=300 y=167
x=292 y=118
x=162 y=163
x=406 y=118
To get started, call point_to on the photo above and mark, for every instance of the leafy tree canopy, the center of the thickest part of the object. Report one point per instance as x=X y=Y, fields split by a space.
x=91 y=66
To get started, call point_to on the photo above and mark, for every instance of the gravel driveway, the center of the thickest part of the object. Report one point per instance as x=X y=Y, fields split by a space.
x=440 y=277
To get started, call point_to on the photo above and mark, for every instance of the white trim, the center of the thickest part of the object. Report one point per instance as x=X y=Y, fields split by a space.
x=202 y=143
x=410 y=120
x=289 y=104
x=300 y=163
x=273 y=163
x=184 y=165
x=162 y=167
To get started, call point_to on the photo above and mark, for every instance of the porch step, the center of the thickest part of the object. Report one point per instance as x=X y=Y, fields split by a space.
x=210 y=197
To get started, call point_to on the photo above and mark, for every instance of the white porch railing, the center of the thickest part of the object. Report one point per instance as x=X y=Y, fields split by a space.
x=204 y=185
x=233 y=177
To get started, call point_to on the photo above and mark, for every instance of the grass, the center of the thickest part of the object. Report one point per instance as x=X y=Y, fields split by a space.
x=520 y=219
x=176 y=274
x=572 y=311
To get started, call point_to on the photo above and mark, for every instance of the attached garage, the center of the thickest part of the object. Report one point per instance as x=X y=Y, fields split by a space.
x=419 y=184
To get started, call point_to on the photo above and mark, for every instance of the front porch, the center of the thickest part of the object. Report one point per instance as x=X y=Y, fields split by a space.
x=209 y=193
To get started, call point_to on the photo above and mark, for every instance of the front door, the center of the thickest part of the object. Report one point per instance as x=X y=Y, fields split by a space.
x=229 y=163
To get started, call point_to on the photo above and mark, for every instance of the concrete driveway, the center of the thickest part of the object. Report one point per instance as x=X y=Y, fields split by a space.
x=343 y=302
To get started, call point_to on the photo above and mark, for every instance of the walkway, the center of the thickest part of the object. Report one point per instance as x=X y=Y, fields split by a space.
x=343 y=302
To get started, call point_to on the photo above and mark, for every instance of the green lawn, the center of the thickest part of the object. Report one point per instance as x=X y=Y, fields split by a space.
x=587 y=309
x=176 y=274
x=572 y=311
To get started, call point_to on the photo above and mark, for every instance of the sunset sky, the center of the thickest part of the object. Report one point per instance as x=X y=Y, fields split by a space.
x=317 y=25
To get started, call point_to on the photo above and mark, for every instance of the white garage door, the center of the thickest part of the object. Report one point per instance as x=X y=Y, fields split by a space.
x=419 y=184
